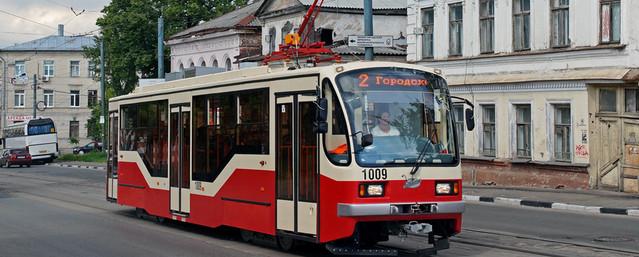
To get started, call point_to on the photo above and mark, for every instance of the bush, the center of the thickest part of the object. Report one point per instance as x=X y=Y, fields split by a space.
x=87 y=157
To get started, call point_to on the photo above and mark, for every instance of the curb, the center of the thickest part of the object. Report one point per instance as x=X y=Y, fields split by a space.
x=76 y=166
x=551 y=205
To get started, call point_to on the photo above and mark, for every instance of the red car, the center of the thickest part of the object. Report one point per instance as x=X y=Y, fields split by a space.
x=15 y=157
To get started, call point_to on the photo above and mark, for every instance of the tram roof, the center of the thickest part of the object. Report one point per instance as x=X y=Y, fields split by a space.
x=257 y=74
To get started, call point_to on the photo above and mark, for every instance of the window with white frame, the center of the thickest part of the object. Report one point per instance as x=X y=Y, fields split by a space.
x=521 y=25
x=18 y=99
x=610 y=21
x=458 y=110
x=20 y=68
x=270 y=39
x=428 y=25
x=75 y=98
x=523 y=130
x=488 y=130
x=560 y=22
x=456 y=28
x=486 y=25
x=562 y=134
x=75 y=68
x=49 y=68
x=92 y=100
x=48 y=98
x=91 y=70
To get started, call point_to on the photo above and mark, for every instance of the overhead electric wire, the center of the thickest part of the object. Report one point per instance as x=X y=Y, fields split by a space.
x=27 y=19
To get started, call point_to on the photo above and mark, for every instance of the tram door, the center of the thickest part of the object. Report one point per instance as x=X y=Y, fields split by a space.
x=297 y=166
x=180 y=153
x=112 y=163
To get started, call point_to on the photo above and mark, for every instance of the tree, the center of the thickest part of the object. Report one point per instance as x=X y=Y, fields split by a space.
x=129 y=32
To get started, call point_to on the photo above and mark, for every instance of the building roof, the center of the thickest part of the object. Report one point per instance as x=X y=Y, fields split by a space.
x=243 y=17
x=54 y=43
x=358 y=4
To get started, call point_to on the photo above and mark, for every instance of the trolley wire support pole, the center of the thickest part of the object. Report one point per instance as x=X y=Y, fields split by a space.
x=3 y=122
x=368 y=27
x=35 y=90
x=161 y=47
x=103 y=115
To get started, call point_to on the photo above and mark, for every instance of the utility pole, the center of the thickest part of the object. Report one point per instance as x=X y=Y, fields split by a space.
x=35 y=88
x=161 y=47
x=4 y=95
x=368 y=27
x=104 y=99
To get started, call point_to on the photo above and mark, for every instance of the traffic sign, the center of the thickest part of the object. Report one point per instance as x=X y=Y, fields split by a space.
x=370 y=41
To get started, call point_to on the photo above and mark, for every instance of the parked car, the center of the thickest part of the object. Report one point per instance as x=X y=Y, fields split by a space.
x=90 y=147
x=15 y=157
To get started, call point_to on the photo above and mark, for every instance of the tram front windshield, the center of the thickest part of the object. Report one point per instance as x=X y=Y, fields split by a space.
x=406 y=111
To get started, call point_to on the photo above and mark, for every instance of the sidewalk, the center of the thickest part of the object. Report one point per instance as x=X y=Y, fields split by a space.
x=83 y=165
x=590 y=201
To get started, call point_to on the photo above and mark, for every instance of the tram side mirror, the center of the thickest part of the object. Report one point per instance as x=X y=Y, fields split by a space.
x=320 y=125
x=367 y=140
x=470 y=119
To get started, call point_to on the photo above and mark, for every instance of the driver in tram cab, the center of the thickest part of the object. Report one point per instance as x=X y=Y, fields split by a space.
x=384 y=128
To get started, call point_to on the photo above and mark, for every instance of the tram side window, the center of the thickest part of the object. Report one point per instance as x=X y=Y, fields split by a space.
x=228 y=124
x=335 y=141
x=145 y=130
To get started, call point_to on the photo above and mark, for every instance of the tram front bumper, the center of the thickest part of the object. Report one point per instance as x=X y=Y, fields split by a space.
x=385 y=209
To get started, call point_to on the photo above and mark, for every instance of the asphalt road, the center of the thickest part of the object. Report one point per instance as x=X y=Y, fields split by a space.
x=51 y=211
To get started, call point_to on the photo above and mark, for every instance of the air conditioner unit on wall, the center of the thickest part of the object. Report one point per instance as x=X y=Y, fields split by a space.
x=45 y=78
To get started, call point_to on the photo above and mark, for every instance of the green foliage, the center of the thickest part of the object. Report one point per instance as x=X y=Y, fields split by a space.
x=73 y=141
x=87 y=157
x=94 y=128
x=129 y=31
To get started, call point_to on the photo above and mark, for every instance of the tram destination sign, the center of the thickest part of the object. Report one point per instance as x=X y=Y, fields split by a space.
x=370 y=41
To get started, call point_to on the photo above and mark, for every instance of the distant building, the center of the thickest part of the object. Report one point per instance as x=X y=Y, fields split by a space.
x=554 y=83
x=336 y=21
x=218 y=43
x=66 y=86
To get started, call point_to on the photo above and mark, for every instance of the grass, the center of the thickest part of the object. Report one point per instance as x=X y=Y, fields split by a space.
x=87 y=157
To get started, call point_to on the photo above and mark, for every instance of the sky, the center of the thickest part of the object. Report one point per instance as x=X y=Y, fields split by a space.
x=40 y=18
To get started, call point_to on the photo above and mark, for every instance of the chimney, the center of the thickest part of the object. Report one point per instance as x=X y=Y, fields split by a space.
x=61 y=30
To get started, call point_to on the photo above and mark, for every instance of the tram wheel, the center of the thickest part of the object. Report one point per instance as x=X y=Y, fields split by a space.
x=246 y=235
x=139 y=212
x=286 y=243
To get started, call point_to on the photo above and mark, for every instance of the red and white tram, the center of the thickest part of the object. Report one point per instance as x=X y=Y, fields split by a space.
x=344 y=154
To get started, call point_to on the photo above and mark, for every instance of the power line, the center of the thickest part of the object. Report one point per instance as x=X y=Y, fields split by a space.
x=24 y=33
x=27 y=19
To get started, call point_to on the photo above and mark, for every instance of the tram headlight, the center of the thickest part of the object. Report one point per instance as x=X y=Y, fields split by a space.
x=446 y=188
x=371 y=190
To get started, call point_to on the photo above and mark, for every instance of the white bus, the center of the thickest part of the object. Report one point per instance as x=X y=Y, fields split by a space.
x=38 y=136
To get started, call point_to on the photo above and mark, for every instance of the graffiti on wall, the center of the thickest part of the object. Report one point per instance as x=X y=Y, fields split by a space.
x=581 y=151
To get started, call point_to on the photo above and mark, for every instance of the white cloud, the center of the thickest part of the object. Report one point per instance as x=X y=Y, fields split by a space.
x=14 y=30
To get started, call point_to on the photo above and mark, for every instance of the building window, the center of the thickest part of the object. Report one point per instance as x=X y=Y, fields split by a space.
x=93 y=98
x=75 y=98
x=74 y=129
x=215 y=65
x=459 y=125
x=228 y=64
x=488 y=124
x=487 y=25
x=91 y=71
x=48 y=68
x=20 y=68
x=610 y=21
x=270 y=39
x=607 y=100
x=75 y=68
x=521 y=25
x=428 y=24
x=203 y=64
x=632 y=100
x=456 y=20
x=560 y=23
x=18 y=100
x=523 y=127
x=562 y=133
x=48 y=98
